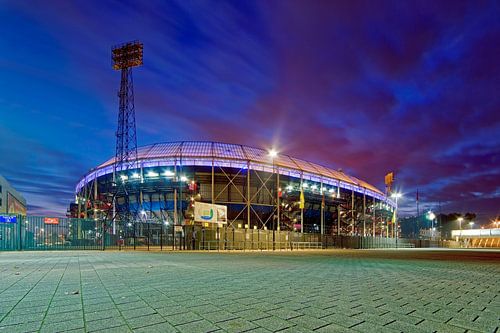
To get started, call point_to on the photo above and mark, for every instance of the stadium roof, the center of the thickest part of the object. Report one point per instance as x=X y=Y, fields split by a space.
x=233 y=155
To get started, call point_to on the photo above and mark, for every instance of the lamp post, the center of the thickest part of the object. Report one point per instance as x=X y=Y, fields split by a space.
x=395 y=225
x=273 y=153
x=471 y=224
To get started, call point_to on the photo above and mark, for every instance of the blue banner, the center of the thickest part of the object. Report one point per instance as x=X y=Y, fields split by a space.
x=8 y=219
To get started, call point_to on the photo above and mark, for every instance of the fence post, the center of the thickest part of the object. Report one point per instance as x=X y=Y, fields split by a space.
x=19 y=231
x=103 y=226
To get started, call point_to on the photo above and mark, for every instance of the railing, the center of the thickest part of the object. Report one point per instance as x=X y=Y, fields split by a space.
x=306 y=245
x=218 y=245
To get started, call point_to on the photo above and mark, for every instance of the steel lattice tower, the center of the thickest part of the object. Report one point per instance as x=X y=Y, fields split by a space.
x=125 y=56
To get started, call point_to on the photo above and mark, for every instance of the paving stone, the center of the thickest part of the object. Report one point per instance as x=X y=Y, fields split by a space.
x=435 y=326
x=344 y=290
x=237 y=325
x=183 y=318
x=342 y=320
x=137 y=322
x=273 y=323
x=218 y=316
x=201 y=326
x=157 y=328
x=62 y=326
x=103 y=324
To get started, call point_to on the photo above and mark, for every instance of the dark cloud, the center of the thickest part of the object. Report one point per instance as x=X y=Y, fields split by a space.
x=366 y=86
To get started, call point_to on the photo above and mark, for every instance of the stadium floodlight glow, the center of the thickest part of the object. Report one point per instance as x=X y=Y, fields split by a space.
x=184 y=179
x=314 y=187
x=273 y=153
x=396 y=195
x=305 y=185
x=331 y=190
x=153 y=174
x=129 y=224
x=135 y=175
x=123 y=177
x=289 y=188
x=168 y=173
x=431 y=215
x=166 y=222
x=127 y=55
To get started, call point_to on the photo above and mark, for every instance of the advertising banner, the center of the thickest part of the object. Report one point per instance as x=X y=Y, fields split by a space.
x=205 y=212
x=8 y=219
x=15 y=206
x=51 y=220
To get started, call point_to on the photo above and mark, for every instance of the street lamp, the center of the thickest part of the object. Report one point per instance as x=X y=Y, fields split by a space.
x=431 y=216
x=273 y=153
x=471 y=224
x=460 y=220
x=396 y=196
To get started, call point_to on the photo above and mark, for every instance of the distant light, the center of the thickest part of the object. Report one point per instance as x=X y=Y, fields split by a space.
x=143 y=212
x=431 y=215
x=331 y=190
x=129 y=224
x=135 y=175
x=305 y=185
x=471 y=223
x=396 y=195
x=460 y=219
x=124 y=177
x=273 y=153
x=289 y=188
x=168 y=173
x=314 y=187
x=184 y=179
x=153 y=174
x=166 y=222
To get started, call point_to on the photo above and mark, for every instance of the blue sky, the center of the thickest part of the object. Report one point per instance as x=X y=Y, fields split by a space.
x=365 y=86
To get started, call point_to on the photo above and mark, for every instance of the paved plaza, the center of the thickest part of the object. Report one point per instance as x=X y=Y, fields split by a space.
x=332 y=291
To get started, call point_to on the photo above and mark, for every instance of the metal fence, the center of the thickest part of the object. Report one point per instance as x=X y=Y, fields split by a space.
x=45 y=233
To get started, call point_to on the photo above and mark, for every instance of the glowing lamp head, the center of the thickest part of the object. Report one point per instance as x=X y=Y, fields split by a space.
x=273 y=153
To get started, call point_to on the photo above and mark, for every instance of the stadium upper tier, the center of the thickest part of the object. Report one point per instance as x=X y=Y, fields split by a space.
x=206 y=153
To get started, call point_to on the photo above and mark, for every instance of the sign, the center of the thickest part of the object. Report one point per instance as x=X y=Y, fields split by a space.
x=205 y=212
x=51 y=220
x=8 y=219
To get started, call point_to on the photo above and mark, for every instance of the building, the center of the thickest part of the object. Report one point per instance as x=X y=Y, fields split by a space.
x=261 y=190
x=11 y=202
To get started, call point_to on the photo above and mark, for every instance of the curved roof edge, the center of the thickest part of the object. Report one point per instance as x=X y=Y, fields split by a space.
x=239 y=156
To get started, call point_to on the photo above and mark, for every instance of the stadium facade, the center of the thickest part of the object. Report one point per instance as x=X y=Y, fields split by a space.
x=261 y=190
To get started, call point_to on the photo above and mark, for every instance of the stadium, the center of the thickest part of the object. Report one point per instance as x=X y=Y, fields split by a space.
x=261 y=190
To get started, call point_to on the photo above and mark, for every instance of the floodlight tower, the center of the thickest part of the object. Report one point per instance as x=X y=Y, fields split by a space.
x=125 y=56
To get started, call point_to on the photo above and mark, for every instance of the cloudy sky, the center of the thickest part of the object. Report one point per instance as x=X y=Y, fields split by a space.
x=366 y=86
